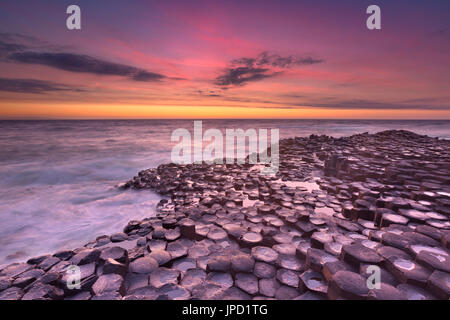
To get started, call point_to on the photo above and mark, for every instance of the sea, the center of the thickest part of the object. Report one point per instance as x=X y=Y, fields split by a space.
x=58 y=178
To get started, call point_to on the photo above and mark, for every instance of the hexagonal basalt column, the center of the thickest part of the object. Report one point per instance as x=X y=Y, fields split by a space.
x=347 y=285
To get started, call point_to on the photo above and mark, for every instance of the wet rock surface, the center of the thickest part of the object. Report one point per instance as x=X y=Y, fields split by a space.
x=225 y=231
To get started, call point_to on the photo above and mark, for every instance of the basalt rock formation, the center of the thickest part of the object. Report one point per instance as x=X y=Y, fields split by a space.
x=337 y=209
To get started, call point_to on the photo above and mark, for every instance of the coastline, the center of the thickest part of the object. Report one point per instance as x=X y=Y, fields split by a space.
x=226 y=232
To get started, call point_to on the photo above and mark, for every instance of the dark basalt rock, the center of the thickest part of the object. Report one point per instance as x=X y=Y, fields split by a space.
x=208 y=291
x=142 y=241
x=286 y=293
x=86 y=256
x=177 y=250
x=357 y=254
x=5 y=283
x=319 y=239
x=388 y=219
x=109 y=284
x=198 y=251
x=107 y=296
x=219 y=263
x=162 y=276
x=234 y=293
x=135 y=281
x=88 y=277
x=434 y=261
x=143 y=265
x=221 y=279
x=314 y=282
x=385 y=276
x=268 y=287
x=193 y=278
x=285 y=248
x=84 y=295
x=116 y=253
x=187 y=229
x=22 y=281
x=156 y=245
x=430 y=231
x=302 y=249
x=22 y=278
x=148 y=292
x=38 y=260
x=12 y=293
x=264 y=270
x=413 y=215
x=316 y=259
x=102 y=240
x=119 y=237
x=48 y=263
x=136 y=253
x=112 y=266
x=15 y=269
x=407 y=271
x=439 y=284
x=251 y=239
x=347 y=285
x=415 y=293
x=64 y=255
x=235 y=231
x=247 y=282
x=184 y=264
x=387 y=252
x=264 y=254
x=161 y=256
x=40 y=291
x=395 y=240
x=330 y=268
x=386 y=292
x=242 y=263
x=333 y=248
x=308 y=295
x=446 y=240
x=417 y=238
x=290 y=262
x=227 y=232
x=173 y=234
x=159 y=233
x=288 y=278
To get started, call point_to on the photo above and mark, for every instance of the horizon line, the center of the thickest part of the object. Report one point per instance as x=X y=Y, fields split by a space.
x=206 y=119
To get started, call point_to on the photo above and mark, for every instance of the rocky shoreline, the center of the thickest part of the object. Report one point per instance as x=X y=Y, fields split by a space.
x=336 y=207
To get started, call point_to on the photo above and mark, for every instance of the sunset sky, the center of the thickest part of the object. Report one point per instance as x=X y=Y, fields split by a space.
x=225 y=59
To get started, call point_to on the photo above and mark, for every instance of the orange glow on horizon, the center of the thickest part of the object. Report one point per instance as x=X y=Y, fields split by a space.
x=14 y=110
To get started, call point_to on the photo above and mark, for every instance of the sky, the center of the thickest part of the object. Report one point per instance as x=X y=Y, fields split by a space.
x=225 y=59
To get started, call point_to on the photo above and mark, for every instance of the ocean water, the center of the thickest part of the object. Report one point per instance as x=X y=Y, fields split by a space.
x=58 y=178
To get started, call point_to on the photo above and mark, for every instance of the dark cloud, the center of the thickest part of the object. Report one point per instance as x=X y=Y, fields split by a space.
x=241 y=75
x=21 y=38
x=32 y=86
x=7 y=48
x=16 y=42
x=265 y=65
x=9 y=43
x=210 y=93
x=274 y=60
x=146 y=76
x=29 y=50
x=84 y=64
